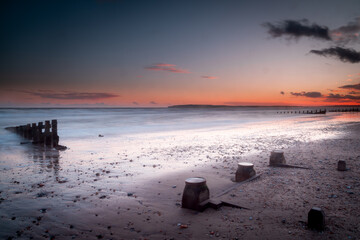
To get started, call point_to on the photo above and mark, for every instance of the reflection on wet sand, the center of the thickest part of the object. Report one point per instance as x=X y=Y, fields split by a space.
x=46 y=158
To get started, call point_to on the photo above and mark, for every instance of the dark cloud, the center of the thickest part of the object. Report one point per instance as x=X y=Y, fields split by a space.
x=296 y=29
x=354 y=86
x=347 y=33
x=282 y=93
x=307 y=94
x=152 y=102
x=70 y=95
x=332 y=96
x=135 y=103
x=344 y=54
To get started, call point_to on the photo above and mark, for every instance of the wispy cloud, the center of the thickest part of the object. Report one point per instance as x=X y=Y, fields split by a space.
x=209 y=77
x=153 y=103
x=337 y=97
x=353 y=86
x=344 y=54
x=298 y=28
x=166 y=67
x=66 y=95
x=307 y=94
x=347 y=33
x=135 y=103
x=336 y=90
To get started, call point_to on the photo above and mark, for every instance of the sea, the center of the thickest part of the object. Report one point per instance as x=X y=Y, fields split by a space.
x=82 y=123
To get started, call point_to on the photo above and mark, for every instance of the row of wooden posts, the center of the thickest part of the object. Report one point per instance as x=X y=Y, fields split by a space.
x=303 y=112
x=40 y=133
x=320 y=111
x=345 y=110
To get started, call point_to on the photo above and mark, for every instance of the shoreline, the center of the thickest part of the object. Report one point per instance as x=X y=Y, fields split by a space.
x=92 y=194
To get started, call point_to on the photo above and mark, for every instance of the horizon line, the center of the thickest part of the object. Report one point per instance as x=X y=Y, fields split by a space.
x=182 y=106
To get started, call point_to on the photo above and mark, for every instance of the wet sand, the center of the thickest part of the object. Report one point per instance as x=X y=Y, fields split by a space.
x=130 y=186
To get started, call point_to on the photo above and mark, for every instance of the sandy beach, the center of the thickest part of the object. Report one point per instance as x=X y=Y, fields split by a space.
x=130 y=186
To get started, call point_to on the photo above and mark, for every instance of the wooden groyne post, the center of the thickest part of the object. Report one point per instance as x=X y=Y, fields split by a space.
x=46 y=134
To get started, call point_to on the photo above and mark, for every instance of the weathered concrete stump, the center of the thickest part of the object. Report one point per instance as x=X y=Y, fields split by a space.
x=245 y=171
x=277 y=158
x=316 y=219
x=195 y=192
x=341 y=165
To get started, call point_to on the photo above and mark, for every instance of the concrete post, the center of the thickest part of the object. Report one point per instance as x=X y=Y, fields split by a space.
x=245 y=171
x=341 y=165
x=316 y=219
x=277 y=158
x=195 y=192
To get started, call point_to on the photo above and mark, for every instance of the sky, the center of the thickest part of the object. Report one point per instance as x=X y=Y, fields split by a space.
x=121 y=53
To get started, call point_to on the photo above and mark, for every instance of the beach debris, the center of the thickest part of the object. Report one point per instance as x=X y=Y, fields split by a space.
x=43 y=210
x=245 y=171
x=182 y=226
x=42 y=194
x=41 y=134
x=195 y=192
x=277 y=157
x=333 y=196
x=341 y=166
x=61 y=179
x=316 y=219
